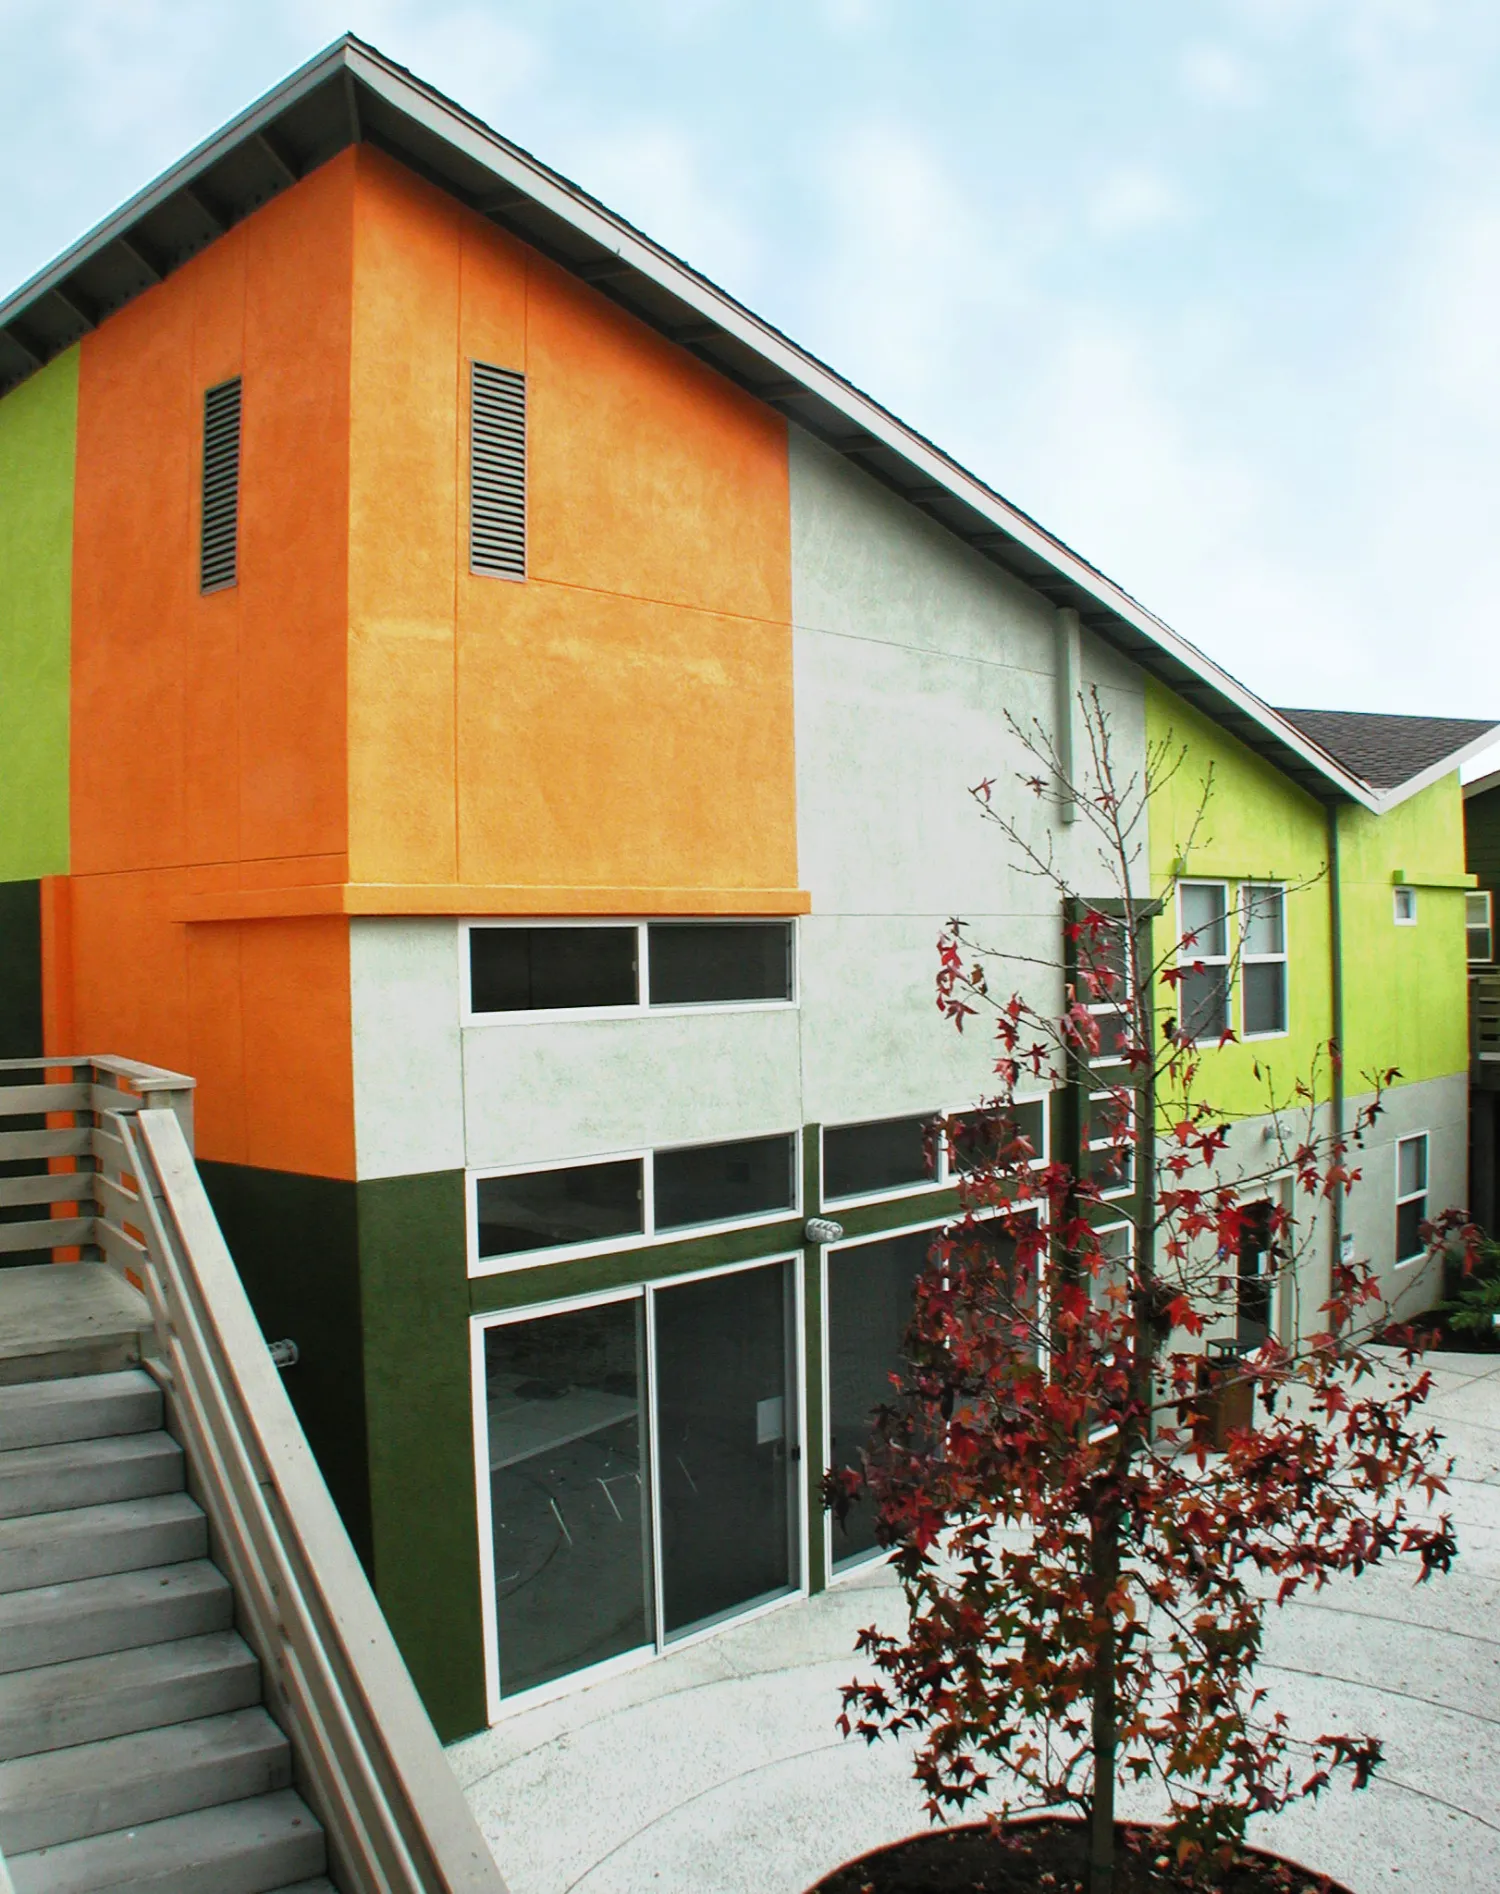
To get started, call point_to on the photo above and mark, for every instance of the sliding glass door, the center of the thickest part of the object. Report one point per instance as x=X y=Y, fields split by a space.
x=569 y=1498
x=644 y=1472
x=724 y=1394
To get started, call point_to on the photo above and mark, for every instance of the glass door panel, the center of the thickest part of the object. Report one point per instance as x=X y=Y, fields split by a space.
x=869 y=1306
x=726 y=1430
x=569 y=1491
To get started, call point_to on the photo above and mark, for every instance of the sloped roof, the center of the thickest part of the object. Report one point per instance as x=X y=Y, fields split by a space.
x=353 y=93
x=1386 y=751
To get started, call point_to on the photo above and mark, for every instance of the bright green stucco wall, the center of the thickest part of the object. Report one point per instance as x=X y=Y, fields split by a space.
x=1405 y=988
x=1257 y=826
x=38 y=428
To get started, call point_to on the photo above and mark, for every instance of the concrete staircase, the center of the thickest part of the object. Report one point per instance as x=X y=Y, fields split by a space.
x=134 y=1751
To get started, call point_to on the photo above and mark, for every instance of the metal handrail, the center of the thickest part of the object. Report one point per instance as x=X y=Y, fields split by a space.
x=368 y=1760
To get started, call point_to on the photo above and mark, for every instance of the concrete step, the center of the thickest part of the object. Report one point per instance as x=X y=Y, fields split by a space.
x=54 y=1623
x=249 y=1847
x=51 y=1548
x=92 y=1698
x=70 y=1473
x=87 y=1407
x=94 y=1788
x=61 y=1319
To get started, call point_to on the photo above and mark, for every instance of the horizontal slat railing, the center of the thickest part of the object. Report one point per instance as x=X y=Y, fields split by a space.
x=1484 y=1016
x=114 y=1167
x=369 y=1762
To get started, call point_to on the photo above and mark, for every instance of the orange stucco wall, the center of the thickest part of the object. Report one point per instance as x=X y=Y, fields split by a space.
x=623 y=719
x=209 y=743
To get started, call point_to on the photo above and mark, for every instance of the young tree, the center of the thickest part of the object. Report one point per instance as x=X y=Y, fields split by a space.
x=1088 y=1580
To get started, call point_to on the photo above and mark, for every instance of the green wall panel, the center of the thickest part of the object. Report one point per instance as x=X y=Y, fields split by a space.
x=421 y=1434
x=38 y=428
x=294 y=1240
x=20 y=966
x=1482 y=837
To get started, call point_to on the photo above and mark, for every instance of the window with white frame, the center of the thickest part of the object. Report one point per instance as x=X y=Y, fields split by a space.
x=1263 y=964
x=892 y=1157
x=531 y=1215
x=1479 y=929
x=1411 y=1197
x=516 y=969
x=1203 y=958
x=1109 y=1144
x=1404 y=906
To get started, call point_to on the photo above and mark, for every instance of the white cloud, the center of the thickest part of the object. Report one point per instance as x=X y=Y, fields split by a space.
x=1214 y=75
x=1134 y=199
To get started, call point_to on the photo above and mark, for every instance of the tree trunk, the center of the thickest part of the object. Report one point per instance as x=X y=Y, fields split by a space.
x=1105 y=1562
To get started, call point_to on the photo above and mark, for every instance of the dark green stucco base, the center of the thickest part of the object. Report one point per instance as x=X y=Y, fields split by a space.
x=369 y=1281
x=20 y=969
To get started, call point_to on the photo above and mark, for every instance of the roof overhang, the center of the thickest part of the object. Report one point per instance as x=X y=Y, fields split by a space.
x=351 y=93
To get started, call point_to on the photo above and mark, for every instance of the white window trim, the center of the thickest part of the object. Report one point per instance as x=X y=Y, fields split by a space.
x=642 y=1004
x=1412 y=1196
x=1245 y=896
x=498 y=1707
x=1485 y=895
x=649 y=1237
x=1118 y=1191
x=1404 y=920
x=1191 y=956
x=946 y=1178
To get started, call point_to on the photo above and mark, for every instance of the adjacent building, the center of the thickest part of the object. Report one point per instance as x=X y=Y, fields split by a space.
x=501 y=716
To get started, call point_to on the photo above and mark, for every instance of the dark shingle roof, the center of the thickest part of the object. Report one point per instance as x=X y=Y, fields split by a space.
x=1385 y=751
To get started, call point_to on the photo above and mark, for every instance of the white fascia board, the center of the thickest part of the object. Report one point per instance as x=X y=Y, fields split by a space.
x=521 y=172
x=1482 y=785
x=118 y=224
x=1445 y=766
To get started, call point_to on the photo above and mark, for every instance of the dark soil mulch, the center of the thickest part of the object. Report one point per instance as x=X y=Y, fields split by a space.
x=1439 y=1338
x=1052 y=1855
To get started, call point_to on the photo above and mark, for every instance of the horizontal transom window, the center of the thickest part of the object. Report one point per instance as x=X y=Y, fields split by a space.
x=605 y=1203
x=878 y=1157
x=628 y=965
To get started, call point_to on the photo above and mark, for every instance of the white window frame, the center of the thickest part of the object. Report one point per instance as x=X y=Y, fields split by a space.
x=945 y=1177
x=1484 y=895
x=1188 y=957
x=1404 y=895
x=544 y=1015
x=1117 y=1191
x=1412 y=1196
x=649 y=1236
x=498 y=1707
x=1245 y=898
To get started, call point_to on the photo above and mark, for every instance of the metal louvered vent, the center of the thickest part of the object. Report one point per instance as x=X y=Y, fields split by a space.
x=497 y=471
x=219 y=547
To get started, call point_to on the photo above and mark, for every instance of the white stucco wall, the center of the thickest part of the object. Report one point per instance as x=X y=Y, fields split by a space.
x=909 y=652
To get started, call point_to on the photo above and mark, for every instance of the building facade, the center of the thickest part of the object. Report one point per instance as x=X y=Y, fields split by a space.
x=503 y=719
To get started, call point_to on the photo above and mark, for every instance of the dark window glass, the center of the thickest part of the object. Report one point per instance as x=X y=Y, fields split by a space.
x=1101 y=959
x=726 y=1425
x=711 y=1183
x=869 y=1308
x=978 y=1138
x=525 y=969
x=1265 y=996
x=1409 y=1220
x=883 y=1154
x=565 y=1396
x=581 y=1203
x=1203 y=996
x=1110 y=1116
x=694 y=963
x=1256 y=1266
x=1114 y=1034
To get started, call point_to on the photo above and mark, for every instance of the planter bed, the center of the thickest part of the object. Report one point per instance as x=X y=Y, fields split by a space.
x=1049 y=1855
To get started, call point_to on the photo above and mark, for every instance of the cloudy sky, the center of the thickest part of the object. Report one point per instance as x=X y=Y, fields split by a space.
x=1211 y=287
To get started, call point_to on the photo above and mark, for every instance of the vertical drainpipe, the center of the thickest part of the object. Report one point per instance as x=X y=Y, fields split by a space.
x=1336 y=989
x=1068 y=667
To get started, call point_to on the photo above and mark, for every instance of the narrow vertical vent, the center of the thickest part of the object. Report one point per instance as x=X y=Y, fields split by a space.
x=497 y=471
x=219 y=549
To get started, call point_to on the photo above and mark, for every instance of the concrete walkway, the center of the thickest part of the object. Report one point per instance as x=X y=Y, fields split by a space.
x=717 y=1769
